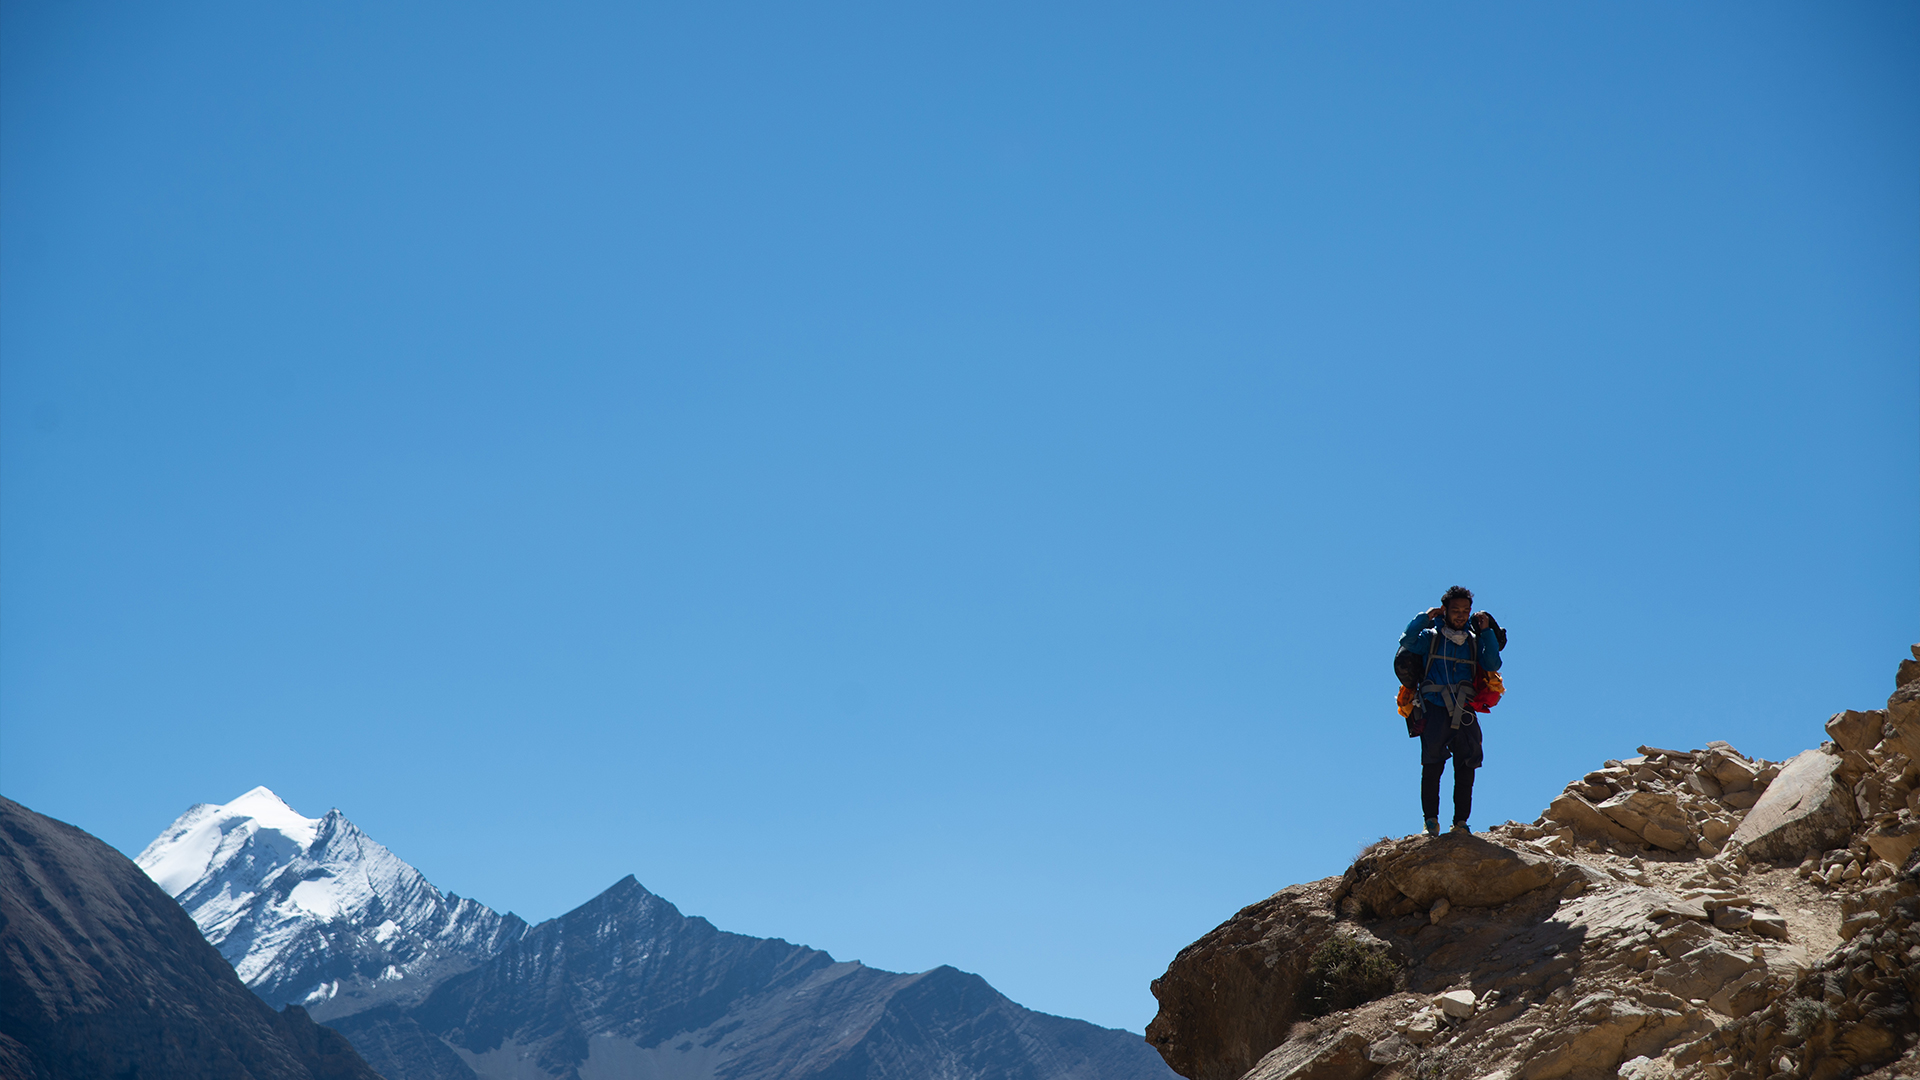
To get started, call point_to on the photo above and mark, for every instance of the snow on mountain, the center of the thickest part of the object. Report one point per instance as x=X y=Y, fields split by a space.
x=314 y=911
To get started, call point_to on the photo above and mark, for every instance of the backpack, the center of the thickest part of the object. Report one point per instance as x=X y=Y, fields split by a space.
x=1411 y=668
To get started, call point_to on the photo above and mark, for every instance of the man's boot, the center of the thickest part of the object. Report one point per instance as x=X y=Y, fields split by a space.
x=1433 y=826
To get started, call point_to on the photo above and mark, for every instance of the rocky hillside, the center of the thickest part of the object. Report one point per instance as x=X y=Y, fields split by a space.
x=1678 y=914
x=102 y=974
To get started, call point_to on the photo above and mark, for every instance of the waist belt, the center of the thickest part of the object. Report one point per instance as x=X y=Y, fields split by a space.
x=1455 y=696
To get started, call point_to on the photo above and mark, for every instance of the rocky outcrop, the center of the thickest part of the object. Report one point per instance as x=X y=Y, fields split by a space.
x=1233 y=995
x=102 y=974
x=1677 y=915
x=1805 y=809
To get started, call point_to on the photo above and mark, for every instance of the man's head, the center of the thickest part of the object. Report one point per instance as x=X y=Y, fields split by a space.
x=1457 y=605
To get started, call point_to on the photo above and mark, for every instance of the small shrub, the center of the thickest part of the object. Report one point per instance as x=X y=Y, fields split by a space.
x=1344 y=972
x=1805 y=1015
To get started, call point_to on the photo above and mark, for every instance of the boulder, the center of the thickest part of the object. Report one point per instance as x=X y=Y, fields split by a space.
x=1592 y=1044
x=1390 y=1050
x=1585 y=818
x=1340 y=1054
x=1233 y=995
x=1464 y=870
x=1894 y=841
x=1702 y=972
x=1856 y=731
x=1903 y=722
x=1732 y=918
x=1733 y=773
x=1655 y=816
x=1423 y=1026
x=1741 y=996
x=1645 y=1068
x=1804 y=810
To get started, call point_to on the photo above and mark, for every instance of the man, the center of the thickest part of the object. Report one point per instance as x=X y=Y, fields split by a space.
x=1447 y=646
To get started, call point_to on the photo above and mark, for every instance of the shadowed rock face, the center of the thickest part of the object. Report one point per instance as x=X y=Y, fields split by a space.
x=1233 y=995
x=102 y=974
x=626 y=985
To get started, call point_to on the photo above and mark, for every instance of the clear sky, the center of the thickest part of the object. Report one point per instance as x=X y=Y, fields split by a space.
x=939 y=483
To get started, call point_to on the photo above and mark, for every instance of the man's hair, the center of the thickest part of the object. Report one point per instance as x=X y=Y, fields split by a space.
x=1458 y=592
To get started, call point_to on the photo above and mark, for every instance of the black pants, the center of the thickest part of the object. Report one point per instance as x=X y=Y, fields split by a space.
x=1430 y=791
x=1440 y=741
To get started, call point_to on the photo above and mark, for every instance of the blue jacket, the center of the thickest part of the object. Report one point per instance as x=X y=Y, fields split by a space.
x=1451 y=663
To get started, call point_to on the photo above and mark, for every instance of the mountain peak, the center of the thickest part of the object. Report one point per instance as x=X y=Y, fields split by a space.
x=207 y=838
x=313 y=911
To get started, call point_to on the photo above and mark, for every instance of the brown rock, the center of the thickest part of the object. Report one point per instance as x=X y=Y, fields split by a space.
x=1856 y=731
x=1733 y=773
x=1464 y=869
x=1908 y=671
x=1662 y=836
x=1903 y=719
x=1585 y=818
x=1804 y=810
x=1741 y=996
x=1424 y=1025
x=1903 y=707
x=1593 y=1045
x=1340 y=1054
x=1894 y=841
x=1390 y=1050
x=1732 y=918
x=1655 y=816
x=1703 y=971
x=1233 y=995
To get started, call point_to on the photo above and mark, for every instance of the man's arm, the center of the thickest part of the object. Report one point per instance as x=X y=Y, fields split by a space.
x=1421 y=624
x=1489 y=644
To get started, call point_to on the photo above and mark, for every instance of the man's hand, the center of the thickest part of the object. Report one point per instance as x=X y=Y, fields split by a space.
x=1482 y=620
x=1433 y=613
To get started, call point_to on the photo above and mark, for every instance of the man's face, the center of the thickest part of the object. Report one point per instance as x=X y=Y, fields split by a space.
x=1459 y=610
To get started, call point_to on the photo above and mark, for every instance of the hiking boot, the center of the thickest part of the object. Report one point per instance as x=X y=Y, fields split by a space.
x=1433 y=826
x=1461 y=827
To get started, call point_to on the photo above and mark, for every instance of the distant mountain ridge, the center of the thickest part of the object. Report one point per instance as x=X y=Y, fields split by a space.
x=430 y=986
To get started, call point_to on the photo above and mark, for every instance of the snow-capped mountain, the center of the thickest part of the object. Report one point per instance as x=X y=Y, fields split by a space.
x=312 y=911
x=428 y=986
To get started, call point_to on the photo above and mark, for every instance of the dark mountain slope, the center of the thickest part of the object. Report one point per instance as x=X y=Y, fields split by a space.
x=103 y=974
x=626 y=985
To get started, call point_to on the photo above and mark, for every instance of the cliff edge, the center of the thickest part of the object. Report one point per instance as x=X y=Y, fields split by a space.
x=1685 y=914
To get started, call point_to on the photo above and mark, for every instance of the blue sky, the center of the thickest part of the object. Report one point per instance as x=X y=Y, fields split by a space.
x=942 y=483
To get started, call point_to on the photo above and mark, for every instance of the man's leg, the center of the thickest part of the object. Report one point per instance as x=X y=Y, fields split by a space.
x=1462 y=792
x=1430 y=789
x=1464 y=745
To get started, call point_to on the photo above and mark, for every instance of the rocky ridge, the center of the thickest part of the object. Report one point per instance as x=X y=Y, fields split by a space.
x=102 y=974
x=1690 y=914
